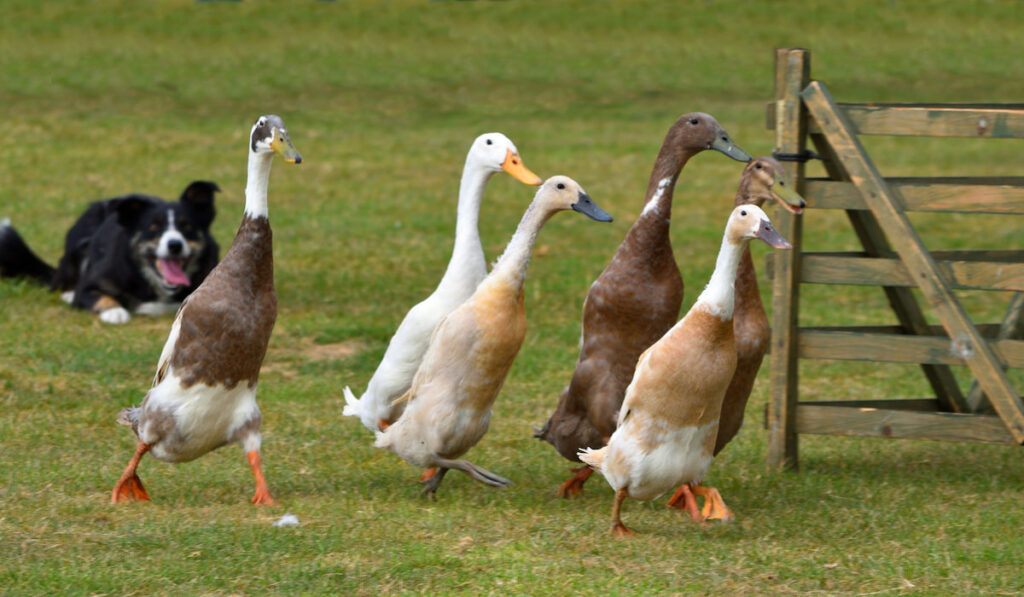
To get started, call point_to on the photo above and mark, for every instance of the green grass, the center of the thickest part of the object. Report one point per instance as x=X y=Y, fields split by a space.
x=383 y=99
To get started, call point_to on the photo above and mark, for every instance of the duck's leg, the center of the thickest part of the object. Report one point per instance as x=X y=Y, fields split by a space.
x=262 y=496
x=619 y=529
x=714 y=505
x=431 y=483
x=574 y=486
x=428 y=474
x=684 y=500
x=129 y=486
x=480 y=474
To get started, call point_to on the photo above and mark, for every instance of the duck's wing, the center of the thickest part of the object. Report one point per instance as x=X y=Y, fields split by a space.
x=168 y=351
x=449 y=354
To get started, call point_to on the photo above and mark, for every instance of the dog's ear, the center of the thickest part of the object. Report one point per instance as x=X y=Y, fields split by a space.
x=198 y=196
x=128 y=210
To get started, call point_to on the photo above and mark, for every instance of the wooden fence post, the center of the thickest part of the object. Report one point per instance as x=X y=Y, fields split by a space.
x=792 y=74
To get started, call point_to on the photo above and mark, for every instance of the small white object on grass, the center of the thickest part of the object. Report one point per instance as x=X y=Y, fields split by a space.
x=288 y=520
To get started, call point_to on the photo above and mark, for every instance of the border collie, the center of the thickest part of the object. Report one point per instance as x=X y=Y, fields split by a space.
x=133 y=253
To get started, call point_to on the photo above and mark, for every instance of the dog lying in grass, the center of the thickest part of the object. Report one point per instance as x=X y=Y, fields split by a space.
x=129 y=254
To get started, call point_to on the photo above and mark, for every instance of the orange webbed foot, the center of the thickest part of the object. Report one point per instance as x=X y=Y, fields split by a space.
x=263 y=497
x=714 y=505
x=684 y=500
x=428 y=474
x=574 y=486
x=129 y=489
x=620 y=530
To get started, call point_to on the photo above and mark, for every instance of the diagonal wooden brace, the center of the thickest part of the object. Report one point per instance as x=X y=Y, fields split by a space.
x=966 y=341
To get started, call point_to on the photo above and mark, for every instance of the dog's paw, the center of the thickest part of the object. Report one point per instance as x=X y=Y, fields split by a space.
x=115 y=315
x=68 y=296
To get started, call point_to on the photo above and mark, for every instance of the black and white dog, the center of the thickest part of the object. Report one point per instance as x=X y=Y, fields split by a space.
x=133 y=253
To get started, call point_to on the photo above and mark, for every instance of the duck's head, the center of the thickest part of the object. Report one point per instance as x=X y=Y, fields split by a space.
x=698 y=131
x=496 y=152
x=748 y=222
x=270 y=136
x=764 y=179
x=561 y=192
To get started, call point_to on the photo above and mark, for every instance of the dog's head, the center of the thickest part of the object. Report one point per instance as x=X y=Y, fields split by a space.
x=168 y=239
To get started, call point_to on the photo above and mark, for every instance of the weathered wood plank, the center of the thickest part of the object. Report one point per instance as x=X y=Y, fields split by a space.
x=901 y=233
x=792 y=72
x=865 y=271
x=987 y=330
x=958 y=120
x=920 y=196
x=892 y=423
x=902 y=348
x=902 y=300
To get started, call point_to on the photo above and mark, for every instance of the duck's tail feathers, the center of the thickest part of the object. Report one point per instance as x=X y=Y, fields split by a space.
x=129 y=416
x=593 y=458
x=351 y=404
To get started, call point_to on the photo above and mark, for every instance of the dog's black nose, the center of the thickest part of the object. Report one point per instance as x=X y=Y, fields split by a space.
x=174 y=247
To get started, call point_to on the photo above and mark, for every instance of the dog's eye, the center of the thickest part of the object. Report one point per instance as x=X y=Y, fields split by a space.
x=154 y=227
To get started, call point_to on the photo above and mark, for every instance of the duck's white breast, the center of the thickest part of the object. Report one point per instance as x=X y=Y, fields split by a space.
x=181 y=424
x=649 y=457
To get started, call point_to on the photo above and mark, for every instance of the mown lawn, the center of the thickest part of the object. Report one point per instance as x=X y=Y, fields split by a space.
x=383 y=99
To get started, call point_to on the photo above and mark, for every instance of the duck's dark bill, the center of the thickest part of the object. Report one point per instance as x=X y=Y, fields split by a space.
x=768 y=234
x=729 y=148
x=586 y=206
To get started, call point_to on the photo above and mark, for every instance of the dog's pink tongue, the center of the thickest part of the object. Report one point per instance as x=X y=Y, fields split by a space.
x=172 y=272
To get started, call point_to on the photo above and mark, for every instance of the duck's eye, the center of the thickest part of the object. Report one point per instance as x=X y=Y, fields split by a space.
x=743 y=212
x=693 y=121
x=489 y=142
x=758 y=165
x=561 y=185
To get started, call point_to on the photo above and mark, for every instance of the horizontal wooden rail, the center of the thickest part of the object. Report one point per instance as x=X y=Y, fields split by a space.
x=993 y=121
x=1003 y=195
x=853 y=346
x=987 y=330
x=855 y=420
x=857 y=270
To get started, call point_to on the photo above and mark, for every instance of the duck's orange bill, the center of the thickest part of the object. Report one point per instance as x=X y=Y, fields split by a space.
x=514 y=166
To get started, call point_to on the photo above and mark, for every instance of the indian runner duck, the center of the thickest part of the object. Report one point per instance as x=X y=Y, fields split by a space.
x=204 y=391
x=489 y=153
x=634 y=301
x=763 y=179
x=669 y=417
x=471 y=351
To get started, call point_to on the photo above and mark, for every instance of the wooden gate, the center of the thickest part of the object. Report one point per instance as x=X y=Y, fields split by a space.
x=895 y=258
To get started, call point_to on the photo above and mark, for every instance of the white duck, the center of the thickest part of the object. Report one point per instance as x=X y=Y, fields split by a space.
x=490 y=153
x=669 y=417
x=471 y=351
x=204 y=391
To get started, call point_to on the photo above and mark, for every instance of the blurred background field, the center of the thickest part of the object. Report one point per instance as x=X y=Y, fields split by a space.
x=382 y=99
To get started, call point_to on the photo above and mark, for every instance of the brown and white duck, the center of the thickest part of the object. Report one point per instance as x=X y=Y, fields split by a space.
x=763 y=179
x=634 y=301
x=668 y=422
x=204 y=391
x=449 y=404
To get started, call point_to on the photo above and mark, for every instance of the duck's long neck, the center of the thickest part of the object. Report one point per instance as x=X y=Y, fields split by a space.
x=256 y=184
x=468 y=253
x=719 y=297
x=662 y=184
x=749 y=298
x=513 y=262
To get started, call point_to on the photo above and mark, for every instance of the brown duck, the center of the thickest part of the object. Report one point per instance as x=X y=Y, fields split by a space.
x=631 y=304
x=762 y=179
x=204 y=391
